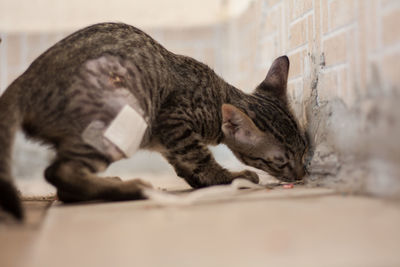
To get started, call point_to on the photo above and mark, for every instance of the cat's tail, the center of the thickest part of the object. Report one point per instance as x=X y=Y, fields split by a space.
x=10 y=120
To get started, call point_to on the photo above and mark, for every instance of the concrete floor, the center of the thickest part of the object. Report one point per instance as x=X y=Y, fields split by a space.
x=279 y=227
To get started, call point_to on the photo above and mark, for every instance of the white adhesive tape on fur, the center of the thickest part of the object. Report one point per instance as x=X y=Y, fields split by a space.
x=126 y=130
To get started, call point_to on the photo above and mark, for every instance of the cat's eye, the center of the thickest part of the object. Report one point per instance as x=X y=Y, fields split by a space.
x=266 y=162
x=281 y=167
x=279 y=159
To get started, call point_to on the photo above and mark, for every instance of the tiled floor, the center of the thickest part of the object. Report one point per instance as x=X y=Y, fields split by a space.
x=279 y=227
x=16 y=240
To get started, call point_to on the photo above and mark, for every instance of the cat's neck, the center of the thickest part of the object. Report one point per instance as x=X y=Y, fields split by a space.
x=237 y=97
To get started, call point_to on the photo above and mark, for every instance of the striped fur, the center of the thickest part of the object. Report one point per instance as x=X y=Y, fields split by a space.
x=84 y=78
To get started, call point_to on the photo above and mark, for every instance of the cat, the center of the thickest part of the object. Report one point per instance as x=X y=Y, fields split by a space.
x=88 y=76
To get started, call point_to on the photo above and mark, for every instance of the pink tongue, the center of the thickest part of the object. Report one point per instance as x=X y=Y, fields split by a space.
x=288 y=186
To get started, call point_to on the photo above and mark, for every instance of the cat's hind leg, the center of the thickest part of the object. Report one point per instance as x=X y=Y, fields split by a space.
x=76 y=180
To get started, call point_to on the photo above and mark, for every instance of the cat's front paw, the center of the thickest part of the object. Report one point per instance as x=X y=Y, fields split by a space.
x=248 y=175
x=133 y=189
x=113 y=178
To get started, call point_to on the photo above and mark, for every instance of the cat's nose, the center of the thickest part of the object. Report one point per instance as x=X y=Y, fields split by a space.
x=300 y=172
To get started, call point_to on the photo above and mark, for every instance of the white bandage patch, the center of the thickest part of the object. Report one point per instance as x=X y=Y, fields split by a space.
x=126 y=131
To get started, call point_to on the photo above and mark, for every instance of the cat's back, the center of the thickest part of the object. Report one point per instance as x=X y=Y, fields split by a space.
x=59 y=68
x=94 y=41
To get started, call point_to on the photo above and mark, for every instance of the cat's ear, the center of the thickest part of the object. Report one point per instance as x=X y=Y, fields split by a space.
x=276 y=81
x=238 y=127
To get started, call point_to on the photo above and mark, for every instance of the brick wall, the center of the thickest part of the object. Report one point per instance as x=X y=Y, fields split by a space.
x=345 y=66
x=343 y=43
x=344 y=76
x=344 y=81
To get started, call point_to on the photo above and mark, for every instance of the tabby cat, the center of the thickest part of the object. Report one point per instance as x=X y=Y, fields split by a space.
x=88 y=76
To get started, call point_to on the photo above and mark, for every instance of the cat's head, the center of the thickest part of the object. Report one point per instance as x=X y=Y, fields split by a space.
x=264 y=133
